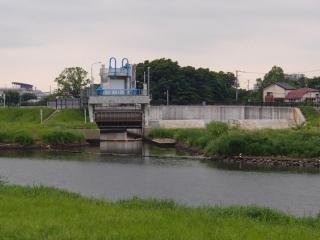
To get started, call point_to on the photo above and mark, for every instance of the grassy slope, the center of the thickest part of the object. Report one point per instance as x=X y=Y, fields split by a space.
x=22 y=115
x=43 y=213
x=312 y=116
x=25 y=122
x=70 y=118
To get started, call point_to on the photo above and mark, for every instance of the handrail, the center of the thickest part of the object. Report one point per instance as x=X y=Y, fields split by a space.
x=115 y=64
x=119 y=92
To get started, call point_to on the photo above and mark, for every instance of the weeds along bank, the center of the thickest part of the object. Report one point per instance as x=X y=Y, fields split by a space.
x=45 y=213
x=23 y=126
x=220 y=140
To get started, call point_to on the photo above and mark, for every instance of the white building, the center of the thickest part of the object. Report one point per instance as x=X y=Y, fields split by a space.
x=277 y=92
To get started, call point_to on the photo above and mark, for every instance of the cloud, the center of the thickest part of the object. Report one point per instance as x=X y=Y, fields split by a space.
x=211 y=33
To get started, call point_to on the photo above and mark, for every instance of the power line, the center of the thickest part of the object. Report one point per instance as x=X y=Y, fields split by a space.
x=310 y=71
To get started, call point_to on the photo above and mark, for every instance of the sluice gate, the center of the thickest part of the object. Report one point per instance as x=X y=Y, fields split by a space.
x=119 y=119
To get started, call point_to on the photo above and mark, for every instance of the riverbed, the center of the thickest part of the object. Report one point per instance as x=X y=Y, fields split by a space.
x=147 y=171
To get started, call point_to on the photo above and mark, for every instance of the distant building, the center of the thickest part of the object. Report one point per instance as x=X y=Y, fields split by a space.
x=295 y=76
x=257 y=86
x=22 y=88
x=303 y=95
x=283 y=92
x=277 y=92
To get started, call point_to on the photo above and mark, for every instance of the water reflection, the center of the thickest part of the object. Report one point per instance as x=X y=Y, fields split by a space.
x=133 y=147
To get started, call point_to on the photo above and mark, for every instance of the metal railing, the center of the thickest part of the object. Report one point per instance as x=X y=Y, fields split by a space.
x=119 y=71
x=120 y=92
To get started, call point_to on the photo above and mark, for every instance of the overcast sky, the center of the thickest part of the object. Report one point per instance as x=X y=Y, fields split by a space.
x=39 y=38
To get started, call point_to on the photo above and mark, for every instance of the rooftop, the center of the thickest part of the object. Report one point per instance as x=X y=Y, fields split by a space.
x=285 y=86
x=299 y=93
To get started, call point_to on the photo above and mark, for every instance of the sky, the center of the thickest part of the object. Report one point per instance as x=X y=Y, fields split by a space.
x=39 y=38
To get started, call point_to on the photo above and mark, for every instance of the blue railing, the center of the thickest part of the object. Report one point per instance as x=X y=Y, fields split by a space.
x=119 y=71
x=119 y=92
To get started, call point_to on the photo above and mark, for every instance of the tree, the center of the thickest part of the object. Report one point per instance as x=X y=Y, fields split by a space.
x=313 y=82
x=71 y=81
x=12 y=98
x=186 y=85
x=28 y=96
x=276 y=74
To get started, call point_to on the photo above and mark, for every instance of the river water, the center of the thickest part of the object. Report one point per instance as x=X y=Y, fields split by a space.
x=163 y=174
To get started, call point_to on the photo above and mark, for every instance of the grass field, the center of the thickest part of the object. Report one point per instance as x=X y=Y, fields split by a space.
x=44 y=213
x=23 y=126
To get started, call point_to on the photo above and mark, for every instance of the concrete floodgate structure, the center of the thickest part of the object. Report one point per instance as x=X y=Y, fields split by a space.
x=118 y=106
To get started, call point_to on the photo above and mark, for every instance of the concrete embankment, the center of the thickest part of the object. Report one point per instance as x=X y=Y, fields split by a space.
x=251 y=117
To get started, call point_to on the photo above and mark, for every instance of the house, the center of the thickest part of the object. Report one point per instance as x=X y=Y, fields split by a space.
x=303 y=95
x=277 y=92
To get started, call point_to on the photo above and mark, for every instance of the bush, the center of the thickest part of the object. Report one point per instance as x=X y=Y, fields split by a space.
x=216 y=129
x=162 y=133
x=219 y=139
x=4 y=137
x=24 y=139
x=62 y=137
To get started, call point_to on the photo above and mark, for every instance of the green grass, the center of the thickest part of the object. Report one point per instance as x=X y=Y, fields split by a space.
x=62 y=137
x=23 y=115
x=219 y=139
x=45 y=213
x=70 y=118
x=312 y=116
x=23 y=126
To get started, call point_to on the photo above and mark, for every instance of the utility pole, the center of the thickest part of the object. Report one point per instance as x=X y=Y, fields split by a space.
x=167 y=95
x=148 y=81
x=248 y=85
x=4 y=100
x=237 y=84
x=92 y=80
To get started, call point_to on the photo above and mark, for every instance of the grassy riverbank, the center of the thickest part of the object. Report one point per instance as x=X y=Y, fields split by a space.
x=44 y=213
x=23 y=126
x=221 y=140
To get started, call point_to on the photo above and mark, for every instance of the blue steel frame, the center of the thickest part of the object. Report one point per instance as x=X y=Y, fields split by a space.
x=119 y=92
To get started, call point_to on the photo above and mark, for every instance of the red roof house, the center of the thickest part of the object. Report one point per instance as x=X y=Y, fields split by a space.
x=303 y=94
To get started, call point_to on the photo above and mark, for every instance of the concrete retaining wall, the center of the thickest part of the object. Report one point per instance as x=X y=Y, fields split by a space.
x=167 y=115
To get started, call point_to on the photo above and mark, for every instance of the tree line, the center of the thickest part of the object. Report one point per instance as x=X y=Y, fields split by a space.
x=185 y=85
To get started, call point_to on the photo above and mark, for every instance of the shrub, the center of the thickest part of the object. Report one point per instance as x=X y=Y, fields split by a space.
x=62 y=137
x=4 y=137
x=24 y=139
x=216 y=129
x=162 y=133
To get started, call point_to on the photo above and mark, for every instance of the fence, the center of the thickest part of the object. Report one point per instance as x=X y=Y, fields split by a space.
x=66 y=103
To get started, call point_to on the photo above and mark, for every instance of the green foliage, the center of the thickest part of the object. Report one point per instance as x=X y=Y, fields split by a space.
x=27 y=96
x=59 y=137
x=162 y=133
x=4 y=136
x=312 y=116
x=24 y=139
x=276 y=74
x=23 y=126
x=12 y=98
x=46 y=213
x=313 y=82
x=71 y=81
x=218 y=139
x=186 y=85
